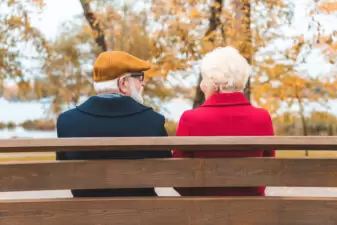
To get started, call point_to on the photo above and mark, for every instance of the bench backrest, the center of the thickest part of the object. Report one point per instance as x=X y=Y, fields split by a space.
x=196 y=172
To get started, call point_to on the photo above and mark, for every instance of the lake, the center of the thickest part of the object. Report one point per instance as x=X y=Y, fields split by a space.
x=19 y=112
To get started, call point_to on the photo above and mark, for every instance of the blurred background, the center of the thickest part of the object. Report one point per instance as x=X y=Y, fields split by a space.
x=47 y=49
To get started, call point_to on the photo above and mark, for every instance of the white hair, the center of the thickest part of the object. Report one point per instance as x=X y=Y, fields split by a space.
x=110 y=86
x=226 y=68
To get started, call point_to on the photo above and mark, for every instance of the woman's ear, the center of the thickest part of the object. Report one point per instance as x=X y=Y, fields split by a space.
x=203 y=86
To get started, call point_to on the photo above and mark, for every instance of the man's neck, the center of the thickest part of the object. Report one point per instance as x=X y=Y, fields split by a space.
x=109 y=94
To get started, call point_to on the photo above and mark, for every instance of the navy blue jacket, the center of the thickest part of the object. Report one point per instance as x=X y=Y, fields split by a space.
x=118 y=116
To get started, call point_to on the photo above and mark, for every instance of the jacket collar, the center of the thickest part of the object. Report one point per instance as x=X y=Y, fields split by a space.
x=226 y=99
x=116 y=106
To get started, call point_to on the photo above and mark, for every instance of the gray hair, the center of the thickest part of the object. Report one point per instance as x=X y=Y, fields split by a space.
x=226 y=68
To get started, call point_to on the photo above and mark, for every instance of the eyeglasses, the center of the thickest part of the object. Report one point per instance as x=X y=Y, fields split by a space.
x=140 y=76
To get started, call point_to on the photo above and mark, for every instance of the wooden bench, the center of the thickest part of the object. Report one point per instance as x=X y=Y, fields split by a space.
x=219 y=172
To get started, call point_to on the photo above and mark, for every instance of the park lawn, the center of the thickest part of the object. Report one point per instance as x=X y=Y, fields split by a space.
x=287 y=154
x=27 y=159
x=279 y=154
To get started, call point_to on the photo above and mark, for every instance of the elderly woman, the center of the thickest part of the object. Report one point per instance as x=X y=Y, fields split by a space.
x=226 y=112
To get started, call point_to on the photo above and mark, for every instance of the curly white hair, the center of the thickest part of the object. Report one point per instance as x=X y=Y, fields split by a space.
x=226 y=69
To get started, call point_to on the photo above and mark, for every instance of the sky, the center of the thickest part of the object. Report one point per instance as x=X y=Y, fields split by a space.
x=58 y=11
x=54 y=14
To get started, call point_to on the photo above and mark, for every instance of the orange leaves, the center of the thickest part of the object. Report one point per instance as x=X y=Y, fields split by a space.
x=17 y=33
x=10 y=2
x=328 y=7
x=87 y=29
x=39 y=2
x=194 y=14
x=15 y=20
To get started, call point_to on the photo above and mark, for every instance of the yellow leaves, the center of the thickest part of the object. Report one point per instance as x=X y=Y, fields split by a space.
x=275 y=3
x=39 y=2
x=107 y=35
x=3 y=51
x=10 y=2
x=300 y=38
x=328 y=7
x=206 y=47
x=171 y=127
x=23 y=86
x=94 y=34
x=15 y=20
x=95 y=23
x=194 y=13
x=117 y=33
x=215 y=5
x=87 y=29
x=153 y=72
x=211 y=35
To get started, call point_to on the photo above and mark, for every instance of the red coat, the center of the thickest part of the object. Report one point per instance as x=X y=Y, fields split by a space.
x=225 y=114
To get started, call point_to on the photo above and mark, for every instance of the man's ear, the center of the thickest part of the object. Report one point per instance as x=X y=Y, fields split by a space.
x=123 y=85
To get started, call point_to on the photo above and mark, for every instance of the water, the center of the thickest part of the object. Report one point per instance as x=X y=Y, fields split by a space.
x=19 y=112
x=19 y=132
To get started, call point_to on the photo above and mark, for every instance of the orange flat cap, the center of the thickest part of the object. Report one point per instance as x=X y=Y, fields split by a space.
x=114 y=64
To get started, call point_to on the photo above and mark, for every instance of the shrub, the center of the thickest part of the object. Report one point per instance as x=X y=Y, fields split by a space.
x=45 y=125
x=11 y=125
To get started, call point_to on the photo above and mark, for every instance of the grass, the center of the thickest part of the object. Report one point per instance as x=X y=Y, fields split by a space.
x=279 y=154
x=27 y=157
x=287 y=154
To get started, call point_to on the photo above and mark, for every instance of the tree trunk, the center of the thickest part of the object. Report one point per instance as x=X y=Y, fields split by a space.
x=248 y=90
x=330 y=128
x=214 y=23
x=94 y=24
x=303 y=120
x=243 y=16
x=199 y=96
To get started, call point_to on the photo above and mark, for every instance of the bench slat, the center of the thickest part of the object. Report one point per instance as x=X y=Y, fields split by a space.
x=235 y=172
x=171 y=211
x=164 y=143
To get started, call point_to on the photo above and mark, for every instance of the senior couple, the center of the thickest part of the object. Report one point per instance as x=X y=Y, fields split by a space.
x=117 y=111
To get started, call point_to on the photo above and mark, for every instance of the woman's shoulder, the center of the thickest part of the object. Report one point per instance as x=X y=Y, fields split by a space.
x=262 y=115
x=261 y=111
x=188 y=114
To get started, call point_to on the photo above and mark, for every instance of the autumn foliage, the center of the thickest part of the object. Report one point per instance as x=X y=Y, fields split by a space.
x=174 y=35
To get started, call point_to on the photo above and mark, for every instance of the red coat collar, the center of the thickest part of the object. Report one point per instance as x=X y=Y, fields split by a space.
x=226 y=99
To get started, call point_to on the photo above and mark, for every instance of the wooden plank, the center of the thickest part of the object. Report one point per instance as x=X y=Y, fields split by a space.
x=226 y=172
x=171 y=211
x=164 y=143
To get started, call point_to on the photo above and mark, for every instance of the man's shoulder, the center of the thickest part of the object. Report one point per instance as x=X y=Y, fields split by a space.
x=67 y=113
x=67 y=116
x=153 y=114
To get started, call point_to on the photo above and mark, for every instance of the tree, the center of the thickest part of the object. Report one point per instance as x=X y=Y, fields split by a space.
x=319 y=123
x=95 y=24
x=279 y=78
x=188 y=30
x=69 y=67
x=16 y=35
x=213 y=24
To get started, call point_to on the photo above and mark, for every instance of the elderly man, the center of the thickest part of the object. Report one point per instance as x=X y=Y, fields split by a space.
x=117 y=111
